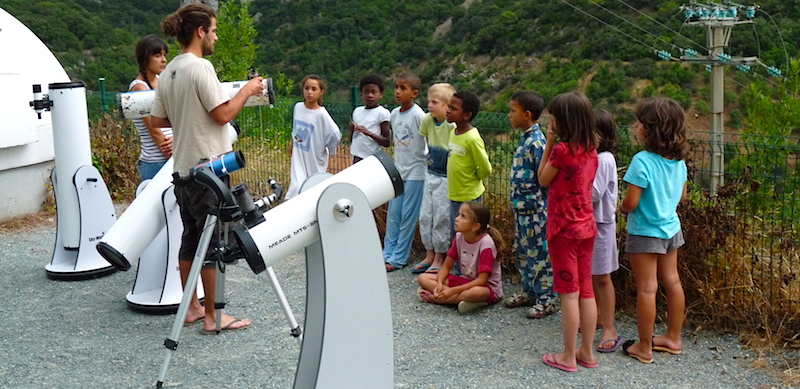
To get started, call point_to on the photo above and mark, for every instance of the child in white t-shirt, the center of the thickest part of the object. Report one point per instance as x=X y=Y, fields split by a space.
x=315 y=135
x=410 y=158
x=369 y=129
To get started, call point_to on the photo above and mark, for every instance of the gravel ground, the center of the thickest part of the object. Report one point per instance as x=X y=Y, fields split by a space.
x=81 y=334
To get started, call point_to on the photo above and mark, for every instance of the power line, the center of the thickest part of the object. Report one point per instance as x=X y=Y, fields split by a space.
x=634 y=24
x=665 y=26
x=610 y=26
x=653 y=48
x=785 y=52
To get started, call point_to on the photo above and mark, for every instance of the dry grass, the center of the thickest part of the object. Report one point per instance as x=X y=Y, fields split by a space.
x=740 y=275
x=28 y=222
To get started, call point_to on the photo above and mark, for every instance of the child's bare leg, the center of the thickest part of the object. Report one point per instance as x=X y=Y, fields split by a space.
x=587 y=308
x=428 y=281
x=606 y=303
x=438 y=260
x=644 y=271
x=428 y=256
x=570 y=320
x=419 y=267
x=668 y=278
x=475 y=294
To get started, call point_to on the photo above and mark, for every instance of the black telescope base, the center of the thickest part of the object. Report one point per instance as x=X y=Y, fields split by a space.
x=156 y=309
x=80 y=275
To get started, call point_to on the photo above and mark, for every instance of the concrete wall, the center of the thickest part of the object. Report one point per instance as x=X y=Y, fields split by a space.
x=24 y=189
x=26 y=142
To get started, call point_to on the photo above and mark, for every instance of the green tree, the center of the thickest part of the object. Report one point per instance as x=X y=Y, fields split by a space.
x=235 y=52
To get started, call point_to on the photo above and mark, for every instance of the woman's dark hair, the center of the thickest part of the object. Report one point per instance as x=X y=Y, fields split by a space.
x=147 y=47
x=319 y=81
x=182 y=23
x=574 y=118
x=480 y=214
x=607 y=130
x=663 y=121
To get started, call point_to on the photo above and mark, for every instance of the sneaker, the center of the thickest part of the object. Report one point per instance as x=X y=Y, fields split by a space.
x=517 y=300
x=539 y=311
x=466 y=306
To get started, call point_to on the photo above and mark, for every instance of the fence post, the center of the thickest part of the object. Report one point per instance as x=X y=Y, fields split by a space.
x=354 y=96
x=103 y=104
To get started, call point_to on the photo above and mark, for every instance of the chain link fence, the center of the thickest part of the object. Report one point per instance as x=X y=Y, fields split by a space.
x=751 y=248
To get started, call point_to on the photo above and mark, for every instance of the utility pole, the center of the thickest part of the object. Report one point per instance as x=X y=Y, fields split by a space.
x=719 y=19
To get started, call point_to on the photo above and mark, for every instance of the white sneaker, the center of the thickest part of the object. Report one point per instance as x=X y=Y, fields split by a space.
x=466 y=306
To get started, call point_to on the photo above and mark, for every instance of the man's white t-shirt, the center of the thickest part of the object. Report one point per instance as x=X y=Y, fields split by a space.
x=315 y=136
x=188 y=90
x=410 y=150
x=363 y=146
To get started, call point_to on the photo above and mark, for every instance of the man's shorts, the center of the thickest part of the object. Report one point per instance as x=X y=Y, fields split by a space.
x=637 y=244
x=194 y=201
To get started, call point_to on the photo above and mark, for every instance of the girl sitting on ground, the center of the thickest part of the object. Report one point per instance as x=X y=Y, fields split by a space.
x=474 y=251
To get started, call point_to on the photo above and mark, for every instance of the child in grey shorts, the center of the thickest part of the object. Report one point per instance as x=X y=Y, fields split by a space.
x=656 y=181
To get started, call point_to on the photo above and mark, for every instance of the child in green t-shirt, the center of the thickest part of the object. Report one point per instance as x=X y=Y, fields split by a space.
x=468 y=164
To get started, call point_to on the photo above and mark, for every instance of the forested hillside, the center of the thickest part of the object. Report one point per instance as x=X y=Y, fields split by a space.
x=91 y=38
x=490 y=46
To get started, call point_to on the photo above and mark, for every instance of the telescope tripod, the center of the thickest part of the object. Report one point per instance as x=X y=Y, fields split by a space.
x=212 y=220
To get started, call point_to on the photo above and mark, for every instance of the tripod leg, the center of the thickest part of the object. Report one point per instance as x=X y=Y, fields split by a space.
x=287 y=310
x=171 y=343
x=219 y=293
x=219 y=287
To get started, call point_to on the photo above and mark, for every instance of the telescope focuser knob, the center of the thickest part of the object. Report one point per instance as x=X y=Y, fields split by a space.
x=343 y=209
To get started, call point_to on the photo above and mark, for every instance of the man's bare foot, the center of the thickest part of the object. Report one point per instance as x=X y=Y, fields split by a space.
x=229 y=323
x=195 y=315
x=192 y=320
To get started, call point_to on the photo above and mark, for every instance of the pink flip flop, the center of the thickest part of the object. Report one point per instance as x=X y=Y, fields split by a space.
x=550 y=360
x=587 y=365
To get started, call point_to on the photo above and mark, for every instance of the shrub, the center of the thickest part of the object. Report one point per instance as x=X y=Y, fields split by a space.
x=702 y=106
x=115 y=151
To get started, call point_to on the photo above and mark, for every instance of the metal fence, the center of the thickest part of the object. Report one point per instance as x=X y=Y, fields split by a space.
x=758 y=252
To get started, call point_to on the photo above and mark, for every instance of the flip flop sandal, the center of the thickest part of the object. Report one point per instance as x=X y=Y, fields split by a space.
x=227 y=328
x=417 y=270
x=627 y=345
x=191 y=323
x=587 y=365
x=432 y=270
x=426 y=293
x=666 y=349
x=550 y=360
x=617 y=343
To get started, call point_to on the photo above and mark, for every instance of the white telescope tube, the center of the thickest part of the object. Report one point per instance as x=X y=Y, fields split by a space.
x=141 y=222
x=72 y=150
x=134 y=105
x=292 y=225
